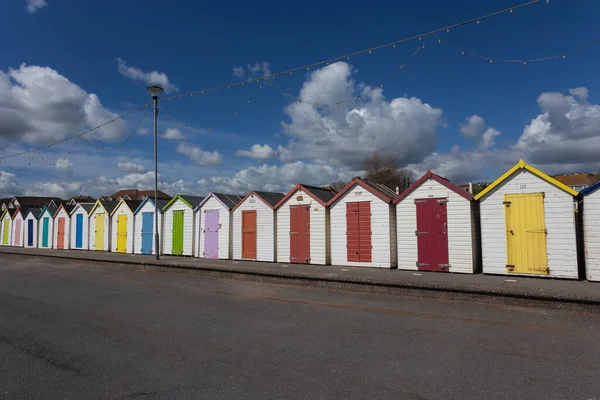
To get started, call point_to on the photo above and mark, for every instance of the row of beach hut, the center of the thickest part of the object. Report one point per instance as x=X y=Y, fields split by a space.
x=524 y=223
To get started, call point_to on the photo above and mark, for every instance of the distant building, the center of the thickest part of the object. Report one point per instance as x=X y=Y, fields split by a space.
x=134 y=194
x=577 y=181
x=80 y=199
x=25 y=202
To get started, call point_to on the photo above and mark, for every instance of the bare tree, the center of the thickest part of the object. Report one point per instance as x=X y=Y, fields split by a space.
x=384 y=169
x=478 y=187
x=338 y=185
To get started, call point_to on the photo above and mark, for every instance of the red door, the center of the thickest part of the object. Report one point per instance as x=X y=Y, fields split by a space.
x=300 y=234
x=61 y=234
x=358 y=232
x=432 y=235
x=249 y=234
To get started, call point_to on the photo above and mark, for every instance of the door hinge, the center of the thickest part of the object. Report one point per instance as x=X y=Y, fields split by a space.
x=510 y=268
x=444 y=266
x=506 y=203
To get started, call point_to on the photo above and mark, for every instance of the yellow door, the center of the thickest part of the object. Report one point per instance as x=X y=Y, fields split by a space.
x=99 y=242
x=122 y=234
x=526 y=233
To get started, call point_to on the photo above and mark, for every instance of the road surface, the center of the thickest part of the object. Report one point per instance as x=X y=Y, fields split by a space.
x=75 y=330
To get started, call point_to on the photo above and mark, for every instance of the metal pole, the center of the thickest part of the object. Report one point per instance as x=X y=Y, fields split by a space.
x=156 y=238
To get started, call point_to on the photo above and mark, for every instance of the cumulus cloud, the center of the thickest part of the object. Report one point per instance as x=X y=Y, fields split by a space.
x=473 y=127
x=33 y=5
x=173 y=134
x=200 y=157
x=131 y=167
x=258 y=152
x=9 y=185
x=149 y=78
x=257 y=70
x=63 y=163
x=143 y=131
x=345 y=134
x=38 y=105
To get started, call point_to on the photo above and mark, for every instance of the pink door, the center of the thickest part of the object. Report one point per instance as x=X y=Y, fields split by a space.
x=17 y=232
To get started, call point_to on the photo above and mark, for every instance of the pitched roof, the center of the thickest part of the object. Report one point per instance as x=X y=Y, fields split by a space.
x=381 y=191
x=17 y=211
x=34 y=211
x=590 y=189
x=83 y=198
x=133 y=204
x=68 y=208
x=86 y=206
x=228 y=201
x=269 y=198
x=443 y=181
x=36 y=201
x=190 y=201
x=51 y=210
x=519 y=166
x=161 y=203
x=135 y=194
x=584 y=179
x=320 y=194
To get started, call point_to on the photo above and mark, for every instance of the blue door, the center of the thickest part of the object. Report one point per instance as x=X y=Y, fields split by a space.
x=147 y=227
x=79 y=231
x=30 y=233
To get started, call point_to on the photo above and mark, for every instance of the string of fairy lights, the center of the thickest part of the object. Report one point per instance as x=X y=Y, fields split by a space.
x=270 y=80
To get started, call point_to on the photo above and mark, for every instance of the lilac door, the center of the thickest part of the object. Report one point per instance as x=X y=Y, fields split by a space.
x=211 y=234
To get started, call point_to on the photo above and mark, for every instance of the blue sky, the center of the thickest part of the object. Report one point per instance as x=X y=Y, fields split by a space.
x=70 y=65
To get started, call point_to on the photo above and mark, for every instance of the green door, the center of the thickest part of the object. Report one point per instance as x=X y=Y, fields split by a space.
x=177 y=247
x=6 y=232
x=45 y=223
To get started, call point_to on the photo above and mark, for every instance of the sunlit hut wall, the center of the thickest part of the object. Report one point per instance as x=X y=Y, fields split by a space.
x=122 y=226
x=215 y=225
x=590 y=210
x=80 y=231
x=528 y=225
x=100 y=225
x=144 y=230
x=180 y=222
x=46 y=227
x=31 y=228
x=6 y=228
x=17 y=228
x=62 y=227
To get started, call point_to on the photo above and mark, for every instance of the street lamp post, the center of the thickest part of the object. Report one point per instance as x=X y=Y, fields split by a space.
x=155 y=91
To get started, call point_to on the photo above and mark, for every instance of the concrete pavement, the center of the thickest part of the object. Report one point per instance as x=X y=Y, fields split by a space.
x=80 y=330
x=512 y=289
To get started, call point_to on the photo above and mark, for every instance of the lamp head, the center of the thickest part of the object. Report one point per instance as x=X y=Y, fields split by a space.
x=154 y=90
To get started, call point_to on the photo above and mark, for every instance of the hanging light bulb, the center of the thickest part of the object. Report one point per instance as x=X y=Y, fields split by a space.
x=370 y=52
x=462 y=52
x=491 y=61
x=511 y=10
x=525 y=63
x=564 y=56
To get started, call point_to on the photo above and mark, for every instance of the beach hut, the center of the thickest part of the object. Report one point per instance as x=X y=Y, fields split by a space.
x=254 y=226
x=303 y=225
x=363 y=225
x=437 y=227
x=46 y=227
x=528 y=225
x=143 y=228
x=122 y=226
x=79 y=231
x=31 y=228
x=99 y=236
x=589 y=210
x=6 y=228
x=17 y=228
x=62 y=227
x=213 y=225
x=179 y=232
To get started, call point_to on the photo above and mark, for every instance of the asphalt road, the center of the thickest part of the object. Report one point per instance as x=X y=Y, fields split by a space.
x=71 y=330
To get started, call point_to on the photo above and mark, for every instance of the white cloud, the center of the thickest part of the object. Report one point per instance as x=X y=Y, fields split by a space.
x=33 y=5
x=38 y=105
x=149 y=78
x=131 y=167
x=258 y=152
x=143 y=131
x=200 y=157
x=173 y=134
x=474 y=126
x=63 y=163
x=257 y=70
x=487 y=139
x=345 y=134
x=581 y=93
x=9 y=185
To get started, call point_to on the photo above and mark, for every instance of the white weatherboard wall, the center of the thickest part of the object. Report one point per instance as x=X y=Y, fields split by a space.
x=188 y=228
x=122 y=209
x=137 y=228
x=30 y=216
x=61 y=213
x=591 y=235
x=46 y=214
x=224 y=228
x=460 y=227
x=265 y=229
x=17 y=241
x=85 y=228
x=9 y=242
x=560 y=222
x=92 y=234
x=319 y=229
x=383 y=222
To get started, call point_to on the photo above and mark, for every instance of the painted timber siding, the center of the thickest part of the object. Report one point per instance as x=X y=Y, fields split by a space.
x=319 y=230
x=560 y=223
x=137 y=228
x=189 y=233
x=31 y=217
x=382 y=221
x=265 y=230
x=6 y=235
x=18 y=241
x=460 y=227
x=122 y=209
x=85 y=229
x=61 y=213
x=46 y=214
x=225 y=247
x=591 y=232
x=92 y=233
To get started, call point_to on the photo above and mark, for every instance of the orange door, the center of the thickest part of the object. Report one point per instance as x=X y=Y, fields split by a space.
x=61 y=234
x=249 y=234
